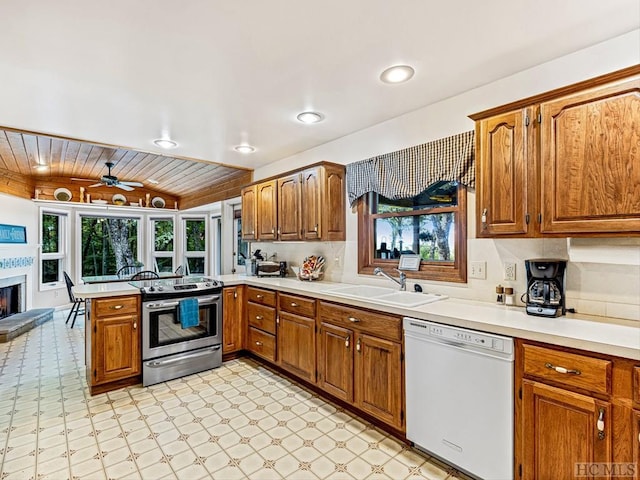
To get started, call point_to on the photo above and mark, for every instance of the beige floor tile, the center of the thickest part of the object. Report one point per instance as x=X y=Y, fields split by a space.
x=156 y=470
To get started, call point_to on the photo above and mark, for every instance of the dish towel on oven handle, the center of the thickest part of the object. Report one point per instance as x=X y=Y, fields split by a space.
x=189 y=312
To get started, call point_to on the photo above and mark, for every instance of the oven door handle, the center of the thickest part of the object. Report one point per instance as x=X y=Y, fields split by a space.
x=201 y=301
x=199 y=353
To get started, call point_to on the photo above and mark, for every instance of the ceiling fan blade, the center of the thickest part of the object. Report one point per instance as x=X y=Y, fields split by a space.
x=124 y=187
x=83 y=179
x=96 y=185
x=132 y=184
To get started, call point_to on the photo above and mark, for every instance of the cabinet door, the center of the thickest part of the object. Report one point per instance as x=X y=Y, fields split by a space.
x=296 y=344
x=560 y=430
x=249 y=213
x=589 y=160
x=335 y=361
x=503 y=181
x=267 y=211
x=289 y=208
x=312 y=212
x=232 y=324
x=636 y=443
x=117 y=352
x=378 y=378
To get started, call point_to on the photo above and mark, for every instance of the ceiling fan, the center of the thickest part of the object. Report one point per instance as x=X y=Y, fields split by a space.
x=109 y=180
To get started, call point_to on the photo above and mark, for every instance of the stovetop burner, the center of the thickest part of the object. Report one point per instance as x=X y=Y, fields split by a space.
x=191 y=285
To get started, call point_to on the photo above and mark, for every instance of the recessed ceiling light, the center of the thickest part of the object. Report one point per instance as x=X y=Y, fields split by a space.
x=310 y=117
x=165 y=143
x=397 y=74
x=41 y=167
x=244 y=149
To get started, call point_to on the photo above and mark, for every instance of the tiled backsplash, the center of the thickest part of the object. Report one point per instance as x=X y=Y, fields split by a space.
x=592 y=288
x=16 y=262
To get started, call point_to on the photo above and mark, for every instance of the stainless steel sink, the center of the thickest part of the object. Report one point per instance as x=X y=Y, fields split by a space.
x=387 y=296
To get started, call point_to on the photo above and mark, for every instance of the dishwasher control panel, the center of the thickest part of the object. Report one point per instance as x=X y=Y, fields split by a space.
x=459 y=336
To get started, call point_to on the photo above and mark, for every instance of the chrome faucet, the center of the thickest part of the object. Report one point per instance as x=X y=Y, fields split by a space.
x=402 y=281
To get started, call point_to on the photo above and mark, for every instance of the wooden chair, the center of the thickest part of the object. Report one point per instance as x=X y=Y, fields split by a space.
x=145 y=275
x=76 y=302
x=128 y=270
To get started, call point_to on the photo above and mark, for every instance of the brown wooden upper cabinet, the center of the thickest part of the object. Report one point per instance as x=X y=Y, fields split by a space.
x=305 y=204
x=249 y=213
x=563 y=163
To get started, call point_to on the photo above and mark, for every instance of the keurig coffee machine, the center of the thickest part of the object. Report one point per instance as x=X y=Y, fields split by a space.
x=545 y=287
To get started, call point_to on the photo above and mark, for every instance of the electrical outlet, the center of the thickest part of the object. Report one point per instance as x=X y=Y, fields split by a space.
x=478 y=270
x=509 y=271
x=56 y=293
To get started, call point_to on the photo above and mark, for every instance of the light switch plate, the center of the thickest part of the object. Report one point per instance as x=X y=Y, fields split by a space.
x=478 y=270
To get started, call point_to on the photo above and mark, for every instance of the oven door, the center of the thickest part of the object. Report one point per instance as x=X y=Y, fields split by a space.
x=162 y=332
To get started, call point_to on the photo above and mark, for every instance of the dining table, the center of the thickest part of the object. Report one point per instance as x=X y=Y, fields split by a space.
x=126 y=278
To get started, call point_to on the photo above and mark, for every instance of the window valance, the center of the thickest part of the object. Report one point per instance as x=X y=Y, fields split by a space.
x=405 y=173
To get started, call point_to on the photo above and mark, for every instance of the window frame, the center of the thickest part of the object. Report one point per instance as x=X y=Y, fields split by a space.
x=455 y=271
x=187 y=254
x=63 y=246
x=152 y=242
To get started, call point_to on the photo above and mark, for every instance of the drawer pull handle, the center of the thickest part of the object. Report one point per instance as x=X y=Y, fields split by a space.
x=294 y=304
x=259 y=344
x=358 y=346
x=347 y=341
x=354 y=319
x=115 y=307
x=600 y=424
x=562 y=369
x=135 y=325
x=259 y=297
x=258 y=317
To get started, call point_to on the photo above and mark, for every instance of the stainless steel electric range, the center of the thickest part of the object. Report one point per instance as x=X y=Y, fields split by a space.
x=169 y=349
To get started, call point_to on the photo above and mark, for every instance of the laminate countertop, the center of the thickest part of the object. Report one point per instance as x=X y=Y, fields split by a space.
x=596 y=334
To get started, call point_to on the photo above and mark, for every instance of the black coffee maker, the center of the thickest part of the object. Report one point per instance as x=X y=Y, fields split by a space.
x=545 y=287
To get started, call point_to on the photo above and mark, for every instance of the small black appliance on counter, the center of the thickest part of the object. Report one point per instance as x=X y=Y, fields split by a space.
x=546 y=287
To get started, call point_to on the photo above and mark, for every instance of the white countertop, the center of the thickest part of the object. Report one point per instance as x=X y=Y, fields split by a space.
x=596 y=334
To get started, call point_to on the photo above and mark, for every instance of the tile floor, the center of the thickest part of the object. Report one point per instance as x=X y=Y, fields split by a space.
x=239 y=421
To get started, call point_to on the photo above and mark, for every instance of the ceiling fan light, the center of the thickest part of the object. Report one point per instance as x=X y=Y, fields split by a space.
x=244 y=149
x=165 y=143
x=310 y=117
x=397 y=74
x=42 y=167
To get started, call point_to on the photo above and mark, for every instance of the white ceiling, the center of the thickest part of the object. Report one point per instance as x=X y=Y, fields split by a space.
x=214 y=74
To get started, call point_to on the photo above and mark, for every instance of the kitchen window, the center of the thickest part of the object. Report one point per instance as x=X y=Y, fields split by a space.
x=432 y=224
x=195 y=242
x=163 y=244
x=53 y=238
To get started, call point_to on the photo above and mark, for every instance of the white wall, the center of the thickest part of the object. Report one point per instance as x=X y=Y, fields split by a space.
x=593 y=288
x=19 y=211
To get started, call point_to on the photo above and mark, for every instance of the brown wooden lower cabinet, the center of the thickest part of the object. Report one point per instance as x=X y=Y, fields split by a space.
x=113 y=343
x=378 y=378
x=575 y=414
x=561 y=432
x=232 y=319
x=297 y=345
x=335 y=361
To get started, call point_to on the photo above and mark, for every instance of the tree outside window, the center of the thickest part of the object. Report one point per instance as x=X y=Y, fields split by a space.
x=52 y=248
x=108 y=244
x=196 y=245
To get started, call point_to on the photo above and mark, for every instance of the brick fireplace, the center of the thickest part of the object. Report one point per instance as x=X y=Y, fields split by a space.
x=12 y=295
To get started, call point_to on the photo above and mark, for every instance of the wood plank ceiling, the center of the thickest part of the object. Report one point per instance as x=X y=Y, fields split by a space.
x=29 y=160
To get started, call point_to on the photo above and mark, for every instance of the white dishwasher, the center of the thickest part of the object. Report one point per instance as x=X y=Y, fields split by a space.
x=459 y=394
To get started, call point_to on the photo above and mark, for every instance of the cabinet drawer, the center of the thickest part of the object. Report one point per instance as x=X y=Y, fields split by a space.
x=569 y=369
x=378 y=324
x=262 y=317
x=105 y=307
x=305 y=307
x=263 y=297
x=261 y=343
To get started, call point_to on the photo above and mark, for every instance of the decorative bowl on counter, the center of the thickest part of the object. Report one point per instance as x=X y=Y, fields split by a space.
x=311 y=277
x=311 y=268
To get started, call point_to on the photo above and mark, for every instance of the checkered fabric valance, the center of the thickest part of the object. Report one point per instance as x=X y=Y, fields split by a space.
x=408 y=172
